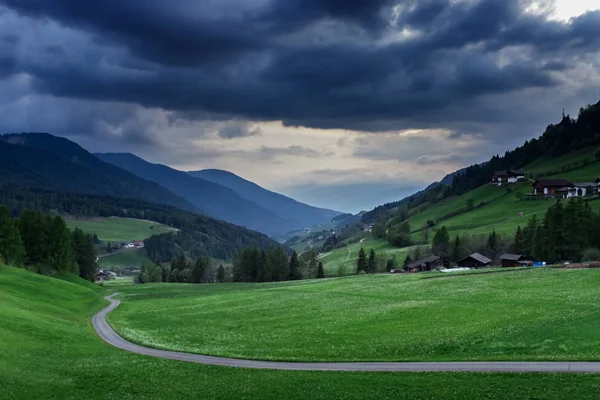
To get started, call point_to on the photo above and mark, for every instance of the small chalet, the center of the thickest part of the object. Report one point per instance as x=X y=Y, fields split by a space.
x=138 y=244
x=585 y=188
x=425 y=264
x=475 y=260
x=511 y=260
x=508 y=176
x=553 y=187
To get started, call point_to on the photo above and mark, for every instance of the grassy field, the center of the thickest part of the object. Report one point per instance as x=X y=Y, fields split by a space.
x=127 y=258
x=538 y=314
x=118 y=229
x=49 y=351
x=546 y=163
x=347 y=255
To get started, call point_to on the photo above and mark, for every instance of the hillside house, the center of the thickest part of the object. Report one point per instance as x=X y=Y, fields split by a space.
x=425 y=264
x=475 y=260
x=563 y=189
x=511 y=260
x=508 y=176
x=138 y=244
x=554 y=188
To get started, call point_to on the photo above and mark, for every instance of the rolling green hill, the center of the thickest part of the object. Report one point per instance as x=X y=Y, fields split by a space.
x=117 y=230
x=420 y=317
x=49 y=351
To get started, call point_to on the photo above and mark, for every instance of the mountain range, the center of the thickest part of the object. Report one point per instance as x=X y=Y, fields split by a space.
x=44 y=161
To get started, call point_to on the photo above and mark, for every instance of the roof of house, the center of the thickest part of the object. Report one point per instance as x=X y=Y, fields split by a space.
x=478 y=257
x=553 y=182
x=425 y=260
x=511 y=257
x=585 y=184
x=510 y=172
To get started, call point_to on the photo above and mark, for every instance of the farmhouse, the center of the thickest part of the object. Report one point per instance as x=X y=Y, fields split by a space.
x=508 y=176
x=475 y=260
x=138 y=244
x=511 y=260
x=585 y=188
x=558 y=188
x=425 y=264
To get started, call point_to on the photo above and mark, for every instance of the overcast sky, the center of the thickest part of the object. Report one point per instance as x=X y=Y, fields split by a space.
x=299 y=94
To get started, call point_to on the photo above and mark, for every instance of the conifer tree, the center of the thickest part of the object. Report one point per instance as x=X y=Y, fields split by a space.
x=441 y=242
x=294 y=267
x=109 y=248
x=361 y=261
x=221 y=274
x=320 y=271
x=371 y=266
x=407 y=261
x=456 y=253
x=11 y=247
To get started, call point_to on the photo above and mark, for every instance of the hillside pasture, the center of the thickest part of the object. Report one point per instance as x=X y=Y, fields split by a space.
x=117 y=230
x=124 y=258
x=49 y=351
x=535 y=314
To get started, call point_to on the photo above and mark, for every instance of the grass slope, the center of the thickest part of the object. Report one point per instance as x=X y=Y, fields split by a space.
x=49 y=351
x=126 y=258
x=118 y=229
x=539 y=314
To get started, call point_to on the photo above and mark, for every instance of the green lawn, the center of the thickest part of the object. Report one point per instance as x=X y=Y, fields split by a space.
x=347 y=255
x=546 y=163
x=118 y=229
x=539 y=314
x=49 y=351
x=127 y=258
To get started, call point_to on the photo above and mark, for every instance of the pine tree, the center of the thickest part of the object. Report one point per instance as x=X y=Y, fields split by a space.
x=361 y=261
x=294 y=267
x=221 y=274
x=441 y=242
x=60 y=251
x=389 y=265
x=407 y=261
x=456 y=253
x=199 y=267
x=11 y=247
x=109 y=248
x=371 y=266
x=84 y=253
x=320 y=271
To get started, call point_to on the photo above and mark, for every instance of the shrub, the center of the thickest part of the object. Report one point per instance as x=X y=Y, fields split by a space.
x=341 y=270
x=591 y=254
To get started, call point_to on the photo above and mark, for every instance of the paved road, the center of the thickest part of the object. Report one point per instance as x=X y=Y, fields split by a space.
x=110 y=336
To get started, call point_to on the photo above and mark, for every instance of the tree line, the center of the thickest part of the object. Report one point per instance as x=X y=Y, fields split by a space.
x=44 y=243
x=199 y=235
x=182 y=270
x=274 y=265
x=566 y=232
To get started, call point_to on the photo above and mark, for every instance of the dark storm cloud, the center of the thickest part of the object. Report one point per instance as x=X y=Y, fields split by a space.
x=237 y=130
x=276 y=60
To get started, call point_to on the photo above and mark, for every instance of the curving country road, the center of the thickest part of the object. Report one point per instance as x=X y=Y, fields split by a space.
x=110 y=336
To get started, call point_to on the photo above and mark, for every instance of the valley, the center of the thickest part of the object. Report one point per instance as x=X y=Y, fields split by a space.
x=47 y=332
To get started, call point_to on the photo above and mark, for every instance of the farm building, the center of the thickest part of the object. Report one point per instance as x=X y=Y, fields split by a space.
x=425 y=264
x=509 y=176
x=511 y=260
x=475 y=260
x=552 y=187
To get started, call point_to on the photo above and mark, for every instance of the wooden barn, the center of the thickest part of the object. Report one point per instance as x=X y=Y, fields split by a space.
x=552 y=187
x=425 y=264
x=474 y=260
x=511 y=260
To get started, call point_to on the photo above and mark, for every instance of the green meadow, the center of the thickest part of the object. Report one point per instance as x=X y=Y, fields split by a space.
x=534 y=314
x=48 y=350
x=124 y=258
x=116 y=229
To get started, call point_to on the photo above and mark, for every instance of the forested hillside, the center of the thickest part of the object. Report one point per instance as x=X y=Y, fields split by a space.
x=199 y=235
x=40 y=160
x=568 y=136
x=211 y=198
x=298 y=214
